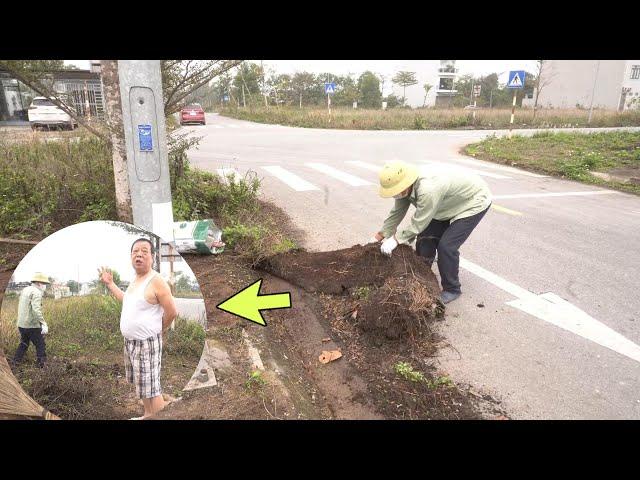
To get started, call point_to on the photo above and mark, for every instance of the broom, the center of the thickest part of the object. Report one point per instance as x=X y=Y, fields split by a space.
x=14 y=401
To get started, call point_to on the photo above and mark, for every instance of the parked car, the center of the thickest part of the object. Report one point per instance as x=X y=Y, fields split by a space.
x=192 y=114
x=44 y=113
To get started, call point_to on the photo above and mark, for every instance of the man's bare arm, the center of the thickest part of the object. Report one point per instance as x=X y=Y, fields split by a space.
x=165 y=299
x=107 y=278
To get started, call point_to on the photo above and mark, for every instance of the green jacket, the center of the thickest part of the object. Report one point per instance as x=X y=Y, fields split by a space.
x=30 y=307
x=439 y=193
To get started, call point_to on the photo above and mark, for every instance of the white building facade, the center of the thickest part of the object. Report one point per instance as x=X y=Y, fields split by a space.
x=608 y=84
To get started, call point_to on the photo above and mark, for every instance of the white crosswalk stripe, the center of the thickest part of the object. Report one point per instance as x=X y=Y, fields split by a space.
x=338 y=174
x=225 y=173
x=368 y=166
x=292 y=180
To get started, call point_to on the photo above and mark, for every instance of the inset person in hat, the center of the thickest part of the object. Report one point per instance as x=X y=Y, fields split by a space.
x=31 y=322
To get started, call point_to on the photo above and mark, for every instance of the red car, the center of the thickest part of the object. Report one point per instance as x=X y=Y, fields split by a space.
x=192 y=114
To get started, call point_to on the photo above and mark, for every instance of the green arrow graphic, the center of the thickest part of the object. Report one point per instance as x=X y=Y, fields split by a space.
x=248 y=302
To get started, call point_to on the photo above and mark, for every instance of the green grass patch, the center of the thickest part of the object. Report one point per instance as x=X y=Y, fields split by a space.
x=430 y=118
x=46 y=186
x=569 y=155
x=83 y=378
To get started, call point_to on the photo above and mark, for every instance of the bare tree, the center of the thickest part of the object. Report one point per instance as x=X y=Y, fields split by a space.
x=113 y=108
x=181 y=77
x=544 y=76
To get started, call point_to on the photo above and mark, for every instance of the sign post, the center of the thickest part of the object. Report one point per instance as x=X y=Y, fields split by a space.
x=329 y=88
x=516 y=81
x=476 y=94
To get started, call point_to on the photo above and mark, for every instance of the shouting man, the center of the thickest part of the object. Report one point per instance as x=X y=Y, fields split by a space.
x=449 y=205
x=148 y=309
x=31 y=322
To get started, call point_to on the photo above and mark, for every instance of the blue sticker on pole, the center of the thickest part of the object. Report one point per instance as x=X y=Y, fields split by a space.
x=516 y=79
x=146 y=139
x=330 y=87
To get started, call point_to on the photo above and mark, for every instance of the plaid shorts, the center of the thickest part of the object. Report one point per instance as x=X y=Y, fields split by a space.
x=142 y=362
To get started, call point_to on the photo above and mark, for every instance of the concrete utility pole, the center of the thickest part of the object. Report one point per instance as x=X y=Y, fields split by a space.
x=146 y=146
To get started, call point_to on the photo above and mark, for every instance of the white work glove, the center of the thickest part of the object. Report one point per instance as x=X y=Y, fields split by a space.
x=388 y=245
x=45 y=328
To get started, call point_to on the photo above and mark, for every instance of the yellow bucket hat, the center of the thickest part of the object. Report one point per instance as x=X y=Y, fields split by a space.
x=395 y=177
x=40 y=277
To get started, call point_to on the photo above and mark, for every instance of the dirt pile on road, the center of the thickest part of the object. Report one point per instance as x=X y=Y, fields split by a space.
x=392 y=297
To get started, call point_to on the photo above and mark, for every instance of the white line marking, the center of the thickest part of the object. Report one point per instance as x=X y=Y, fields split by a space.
x=225 y=173
x=557 y=311
x=339 y=175
x=556 y=194
x=294 y=181
x=477 y=163
x=466 y=169
x=368 y=166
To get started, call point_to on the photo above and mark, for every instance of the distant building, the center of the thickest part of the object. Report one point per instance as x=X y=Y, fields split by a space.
x=445 y=90
x=16 y=287
x=60 y=290
x=85 y=289
x=83 y=88
x=442 y=79
x=610 y=84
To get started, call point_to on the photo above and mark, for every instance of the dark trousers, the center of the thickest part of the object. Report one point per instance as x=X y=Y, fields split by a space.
x=446 y=238
x=33 y=335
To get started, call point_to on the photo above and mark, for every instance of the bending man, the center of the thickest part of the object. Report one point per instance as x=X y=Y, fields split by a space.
x=31 y=322
x=449 y=205
x=148 y=308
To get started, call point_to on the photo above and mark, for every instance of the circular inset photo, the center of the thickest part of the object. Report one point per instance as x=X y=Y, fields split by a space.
x=100 y=320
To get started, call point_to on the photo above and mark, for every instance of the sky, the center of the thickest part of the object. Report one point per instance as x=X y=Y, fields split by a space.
x=77 y=251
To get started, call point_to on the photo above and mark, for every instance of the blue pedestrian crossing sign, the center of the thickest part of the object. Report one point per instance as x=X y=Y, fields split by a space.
x=516 y=79
x=329 y=88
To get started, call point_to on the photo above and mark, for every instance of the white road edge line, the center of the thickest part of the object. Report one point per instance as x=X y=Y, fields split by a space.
x=557 y=311
x=556 y=194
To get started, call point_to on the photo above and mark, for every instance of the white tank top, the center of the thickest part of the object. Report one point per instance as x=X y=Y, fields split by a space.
x=140 y=319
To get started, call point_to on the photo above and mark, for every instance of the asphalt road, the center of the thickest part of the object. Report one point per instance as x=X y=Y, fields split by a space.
x=571 y=353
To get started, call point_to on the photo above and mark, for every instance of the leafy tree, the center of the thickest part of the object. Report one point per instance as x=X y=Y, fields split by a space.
x=393 y=101
x=405 y=79
x=303 y=84
x=346 y=91
x=74 y=287
x=369 y=88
